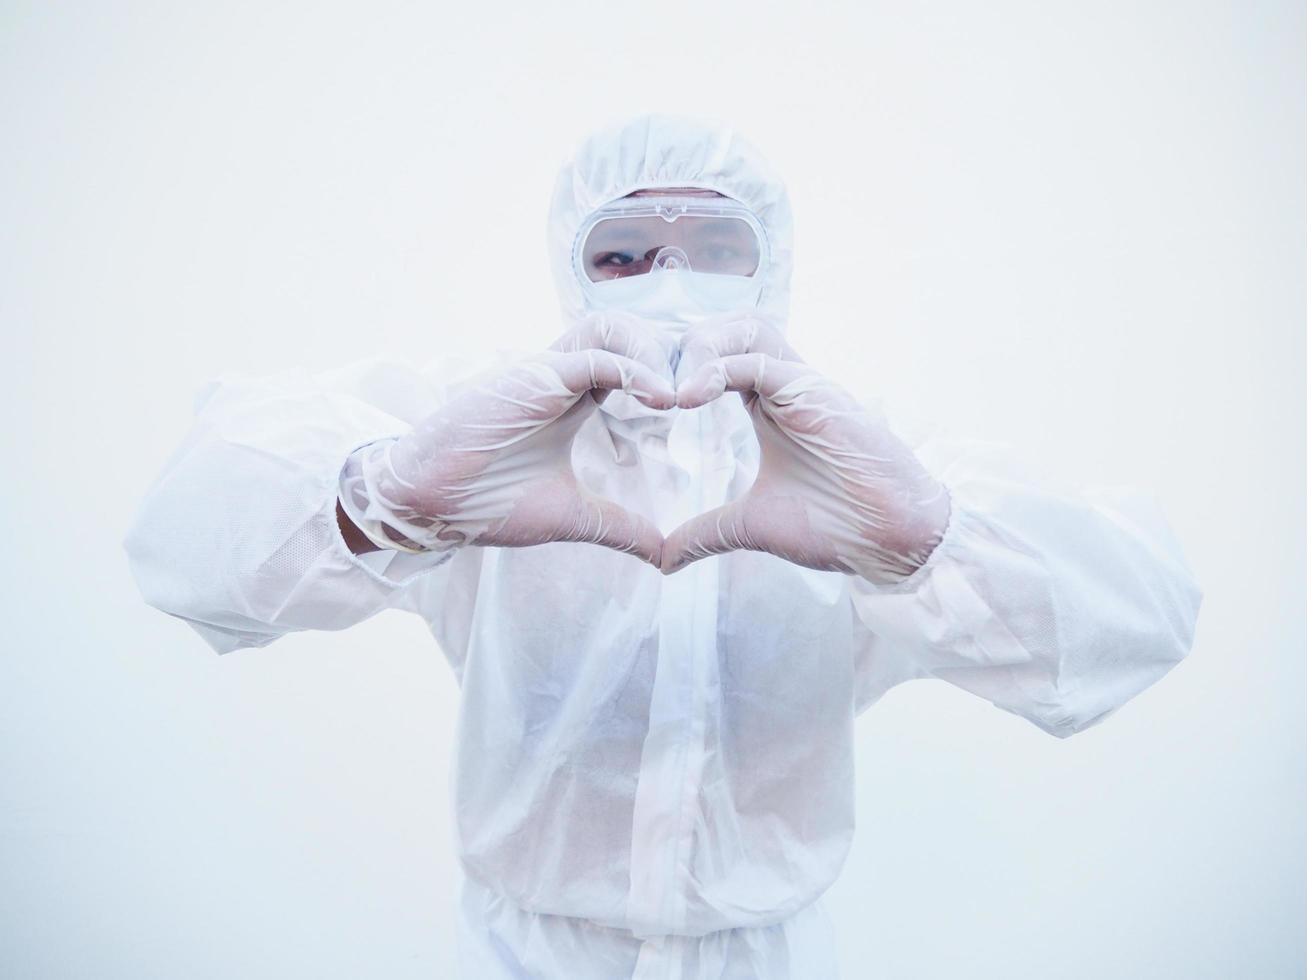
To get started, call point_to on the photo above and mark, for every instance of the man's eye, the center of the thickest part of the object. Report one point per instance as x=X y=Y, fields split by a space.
x=613 y=260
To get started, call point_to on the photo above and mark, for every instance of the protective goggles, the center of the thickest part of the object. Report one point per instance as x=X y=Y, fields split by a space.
x=635 y=236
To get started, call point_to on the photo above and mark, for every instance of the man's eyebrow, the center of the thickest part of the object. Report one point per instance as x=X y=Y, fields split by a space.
x=623 y=229
x=613 y=236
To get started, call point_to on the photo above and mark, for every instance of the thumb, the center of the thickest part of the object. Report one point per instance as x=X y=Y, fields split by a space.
x=713 y=532
x=602 y=522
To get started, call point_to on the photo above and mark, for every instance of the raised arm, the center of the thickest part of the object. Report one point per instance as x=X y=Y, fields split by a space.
x=1056 y=604
x=240 y=536
x=311 y=501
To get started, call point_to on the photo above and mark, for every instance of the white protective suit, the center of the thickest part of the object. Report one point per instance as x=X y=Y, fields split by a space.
x=654 y=773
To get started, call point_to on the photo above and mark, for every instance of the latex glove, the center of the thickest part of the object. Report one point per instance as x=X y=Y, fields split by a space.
x=836 y=489
x=493 y=465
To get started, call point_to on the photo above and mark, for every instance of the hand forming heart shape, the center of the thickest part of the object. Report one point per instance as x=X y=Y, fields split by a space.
x=836 y=489
x=492 y=466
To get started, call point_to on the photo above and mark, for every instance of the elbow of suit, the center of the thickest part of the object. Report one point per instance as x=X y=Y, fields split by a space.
x=223 y=640
x=1096 y=695
x=164 y=585
x=1063 y=722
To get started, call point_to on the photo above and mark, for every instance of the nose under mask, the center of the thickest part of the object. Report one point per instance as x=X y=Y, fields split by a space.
x=669 y=301
x=672 y=294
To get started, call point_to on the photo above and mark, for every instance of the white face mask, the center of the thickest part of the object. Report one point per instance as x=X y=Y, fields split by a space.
x=668 y=302
x=677 y=297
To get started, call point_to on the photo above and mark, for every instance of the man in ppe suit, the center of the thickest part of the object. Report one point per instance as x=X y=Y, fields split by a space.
x=654 y=768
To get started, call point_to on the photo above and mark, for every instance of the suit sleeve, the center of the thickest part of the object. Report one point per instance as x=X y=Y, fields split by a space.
x=1057 y=604
x=238 y=535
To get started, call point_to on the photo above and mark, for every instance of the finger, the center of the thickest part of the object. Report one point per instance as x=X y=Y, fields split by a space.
x=602 y=522
x=601 y=370
x=759 y=373
x=714 y=532
x=617 y=333
x=727 y=335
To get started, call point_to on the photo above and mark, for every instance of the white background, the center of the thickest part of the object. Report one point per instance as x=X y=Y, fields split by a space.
x=1074 y=227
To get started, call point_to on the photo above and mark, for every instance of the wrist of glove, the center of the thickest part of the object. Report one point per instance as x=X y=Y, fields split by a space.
x=898 y=549
x=372 y=497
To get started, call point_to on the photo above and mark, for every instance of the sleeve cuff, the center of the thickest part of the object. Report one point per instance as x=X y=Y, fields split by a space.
x=948 y=543
x=393 y=566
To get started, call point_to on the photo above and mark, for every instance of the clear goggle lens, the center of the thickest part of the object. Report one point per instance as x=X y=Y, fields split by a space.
x=634 y=237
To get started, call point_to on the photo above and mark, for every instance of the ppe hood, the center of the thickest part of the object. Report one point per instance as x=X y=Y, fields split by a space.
x=657 y=151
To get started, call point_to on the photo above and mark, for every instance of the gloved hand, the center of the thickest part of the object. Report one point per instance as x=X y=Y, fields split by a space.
x=836 y=490
x=493 y=465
